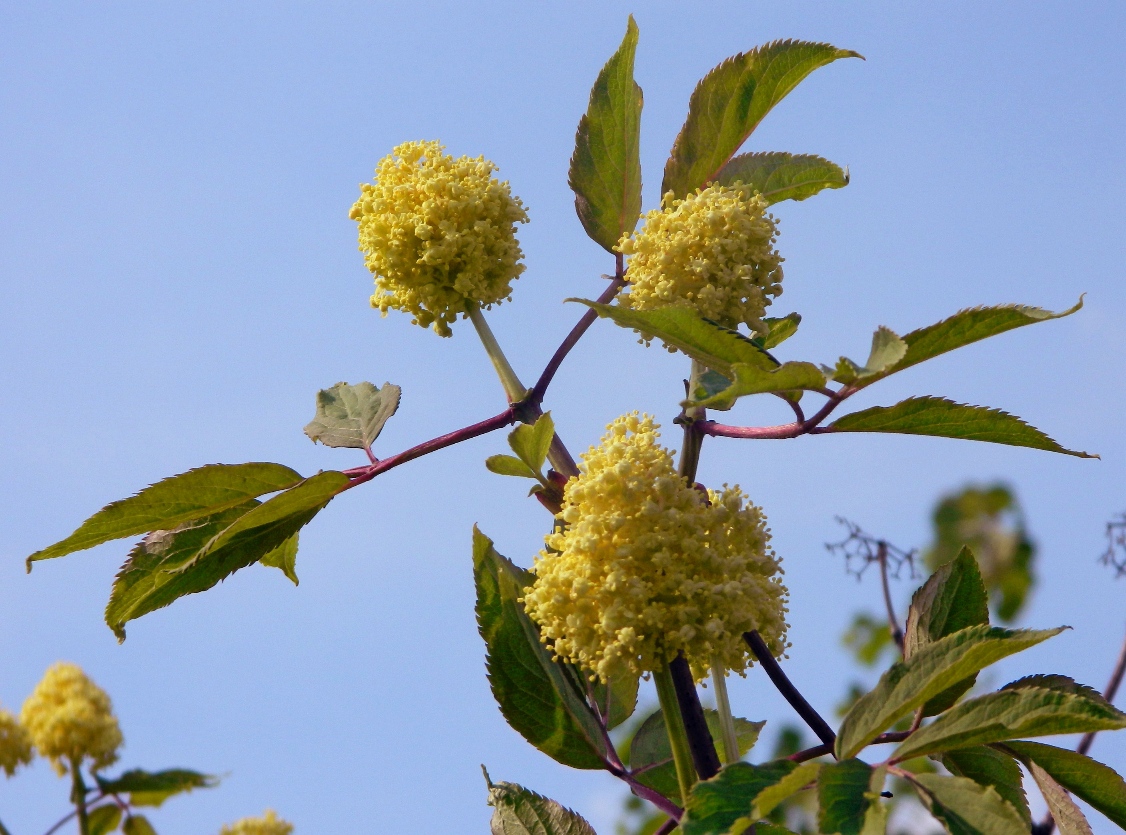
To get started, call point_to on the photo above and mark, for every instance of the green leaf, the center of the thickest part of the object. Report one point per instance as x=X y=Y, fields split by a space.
x=781 y=329
x=990 y=767
x=754 y=380
x=968 y=808
x=913 y=682
x=1012 y=714
x=1068 y=817
x=650 y=755
x=168 y=503
x=846 y=791
x=509 y=465
x=771 y=798
x=352 y=416
x=1088 y=779
x=887 y=349
x=137 y=825
x=519 y=811
x=152 y=788
x=716 y=347
x=946 y=419
x=724 y=803
x=104 y=819
x=953 y=598
x=284 y=557
x=731 y=100
x=537 y=696
x=616 y=700
x=531 y=442
x=606 y=166
x=780 y=176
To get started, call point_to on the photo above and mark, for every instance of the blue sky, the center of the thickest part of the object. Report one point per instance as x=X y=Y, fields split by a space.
x=178 y=276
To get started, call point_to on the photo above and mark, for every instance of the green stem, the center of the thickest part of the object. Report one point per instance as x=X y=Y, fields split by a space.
x=678 y=737
x=726 y=721
x=78 y=796
x=513 y=388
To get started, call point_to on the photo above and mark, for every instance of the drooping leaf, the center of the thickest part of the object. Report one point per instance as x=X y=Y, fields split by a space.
x=887 y=349
x=731 y=100
x=780 y=176
x=519 y=811
x=846 y=791
x=754 y=380
x=353 y=416
x=650 y=756
x=137 y=825
x=152 y=788
x=536 y=695
x=1068 y=817
x=173 y=501
x=284 y=558
x=1012 y=714
x=508 y=465
x=968 y=808
x=953 y=598
x=724 y=803
x=990 y=767
x=605 y=169
x=944 y=418
x=104 y=819
x=531 y=442
x=932 y=669
x=1088 y=779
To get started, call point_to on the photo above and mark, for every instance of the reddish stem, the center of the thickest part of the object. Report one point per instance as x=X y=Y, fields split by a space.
x=785 y=430
x=826 y=749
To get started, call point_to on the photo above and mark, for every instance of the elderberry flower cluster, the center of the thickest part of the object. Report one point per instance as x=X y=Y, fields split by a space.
x=15 y=744
x=267 y=824
x=645 y=566
x=438 y=234
x=69 y=719
x=712 y=252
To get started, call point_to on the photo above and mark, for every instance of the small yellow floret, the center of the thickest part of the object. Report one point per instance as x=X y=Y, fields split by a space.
x=646 y=566
x=69 y=718
x=712 y=252
x=438 y=234
x=15 y=744
x=268 y=824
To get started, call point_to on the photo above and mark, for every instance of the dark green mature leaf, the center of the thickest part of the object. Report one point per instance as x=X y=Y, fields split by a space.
x=968 y=808
x=531 y=442
x=991 y=767
x=137 y=825
x=168 y=503
x=616 y=700
x=771 y=798
x=953 y=598
x=913 y=682
x=519 y=811
x=152 y=788
x=724 y=803
x=104 y=819
x=1088 y=779
x=731 y=100
x=946 y=419
x=536 y=695
x=650 y=756
x=1068 y=817
x=754 y=380
x=780 y=176
x=284 y=558
x=842 y=790
x=353 y=416
x=606 y=166
x=1012 y=714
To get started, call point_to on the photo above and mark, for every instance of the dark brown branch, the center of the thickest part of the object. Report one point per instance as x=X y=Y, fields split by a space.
x=797 y=701
x=893 y=621
x=704 y=755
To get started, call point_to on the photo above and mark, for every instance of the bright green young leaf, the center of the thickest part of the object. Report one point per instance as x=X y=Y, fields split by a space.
x=946 y=419
x=991 y=767
x=781 y=329
x=953 y=598
x=537 y=696
x=731 y=100
x=152 y=788
x=1087 y=779
x=284 y=558
x=168 y=503
x=531 y=442
x=780 y=176
x=650 y=756
x=724 y=803
x=887 y=349
x=606 y=166
x=1067 y=815
x=509 y=465
x=754 y=380
x=137 y=825
x=104 y=819
x=967 y=808
x=519 y=811
x=352 y=416
x=1011 y=714
x=913 y=682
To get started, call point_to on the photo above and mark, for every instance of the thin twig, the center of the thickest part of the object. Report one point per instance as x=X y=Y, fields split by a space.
x=704 y=756
x=826 y=749
x=893 y=621
x=646 y=793
x=667 y=827
x=797 y=701
x=1108 y=694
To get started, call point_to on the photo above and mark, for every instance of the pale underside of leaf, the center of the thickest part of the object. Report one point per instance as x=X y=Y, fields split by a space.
x=1067 y=815
x=1088 y=779
x=352 y=416
x=778 y=176
x=520 y=811
x=967 y=808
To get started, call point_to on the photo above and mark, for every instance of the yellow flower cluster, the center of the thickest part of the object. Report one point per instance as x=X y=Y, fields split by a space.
x=15 y=744
x=268 y=824
x=438 y=234
x=69 y=718
x=645 y=566
x=712 y=252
